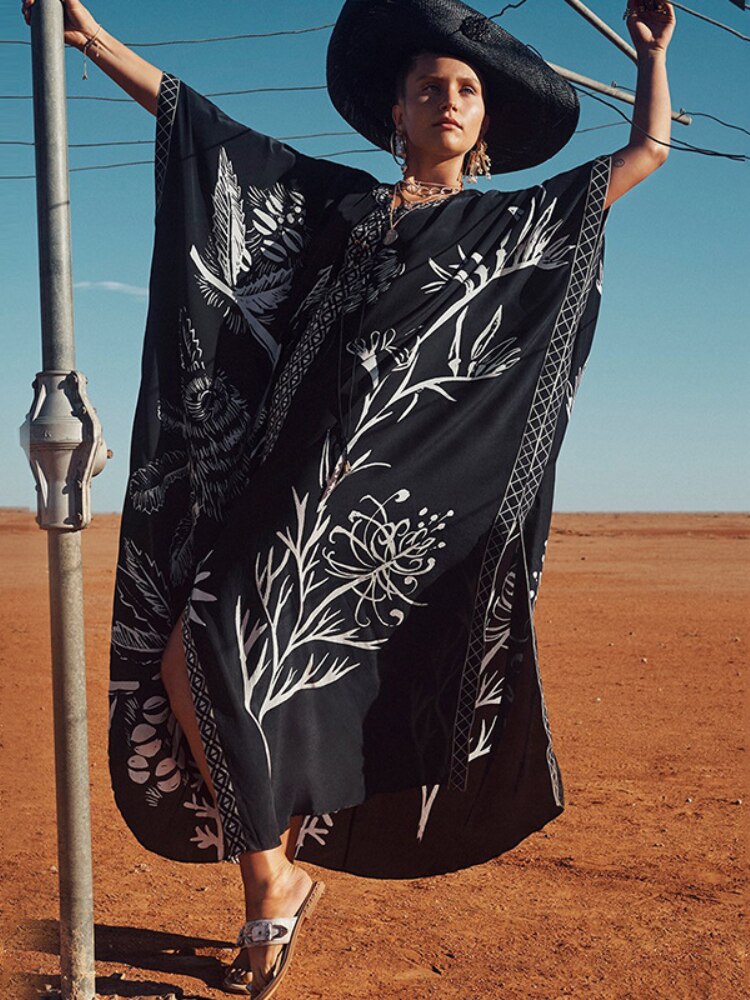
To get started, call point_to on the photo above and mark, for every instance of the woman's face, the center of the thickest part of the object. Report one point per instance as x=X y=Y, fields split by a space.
x=438 y=87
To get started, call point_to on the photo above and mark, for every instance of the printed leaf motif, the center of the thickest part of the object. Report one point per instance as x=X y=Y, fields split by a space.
x=245 y=270
x=316 y=827
x=207 y=837
x=229 y=222
x=144 y=632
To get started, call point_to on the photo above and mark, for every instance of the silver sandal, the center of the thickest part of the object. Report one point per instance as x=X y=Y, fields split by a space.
x=275 y=930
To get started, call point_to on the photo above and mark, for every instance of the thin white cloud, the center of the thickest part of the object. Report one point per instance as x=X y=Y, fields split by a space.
x=114 y=286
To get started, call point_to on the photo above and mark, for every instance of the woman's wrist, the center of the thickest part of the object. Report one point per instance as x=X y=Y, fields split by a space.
x=85 y=35
x=653 y=54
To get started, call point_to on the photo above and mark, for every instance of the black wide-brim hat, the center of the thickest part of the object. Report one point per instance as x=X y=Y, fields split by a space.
x=533 y=110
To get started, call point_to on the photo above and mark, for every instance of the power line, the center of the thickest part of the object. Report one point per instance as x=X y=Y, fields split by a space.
x=595 y=128
x=508 y=6
x=244 y=35
x=202 y=41
x=717 y=24
x=676 y=144
x=150 y=142
x=703 y=114
x=693 y=114
x=137 y=163
x=129 y=100
x=323 y=27
x=323 y=156
x=679 y=144
x=268 y=90
x=230 y=38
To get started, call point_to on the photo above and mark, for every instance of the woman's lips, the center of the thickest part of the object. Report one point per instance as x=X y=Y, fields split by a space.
x=447 y=125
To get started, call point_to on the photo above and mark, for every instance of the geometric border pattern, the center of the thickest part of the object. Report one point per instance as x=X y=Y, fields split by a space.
x=552 y=766
x=166 y=108
x=351 y=286
x=532 y=457
x=234 y=835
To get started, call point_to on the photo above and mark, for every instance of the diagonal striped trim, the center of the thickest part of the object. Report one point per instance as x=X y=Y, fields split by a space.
x=166 y=109
x=234 y=835
x=533 y=454
x=552 y=765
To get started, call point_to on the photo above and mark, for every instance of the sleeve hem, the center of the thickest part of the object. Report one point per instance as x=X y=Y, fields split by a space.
x=166 y=108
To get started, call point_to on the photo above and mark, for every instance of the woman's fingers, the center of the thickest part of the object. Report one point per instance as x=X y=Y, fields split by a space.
x=78 y=24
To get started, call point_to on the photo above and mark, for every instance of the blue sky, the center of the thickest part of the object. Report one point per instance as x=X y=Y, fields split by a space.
x=661 y=419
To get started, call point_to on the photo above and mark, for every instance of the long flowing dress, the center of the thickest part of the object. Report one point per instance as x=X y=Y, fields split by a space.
x=360 y=647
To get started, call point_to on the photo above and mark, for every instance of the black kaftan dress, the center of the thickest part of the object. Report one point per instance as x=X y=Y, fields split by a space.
x=363 y=655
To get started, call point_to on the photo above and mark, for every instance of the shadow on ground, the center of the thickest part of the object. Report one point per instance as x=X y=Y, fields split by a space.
x=139 y=950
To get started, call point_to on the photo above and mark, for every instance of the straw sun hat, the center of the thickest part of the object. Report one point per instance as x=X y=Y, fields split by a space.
x=533 y=110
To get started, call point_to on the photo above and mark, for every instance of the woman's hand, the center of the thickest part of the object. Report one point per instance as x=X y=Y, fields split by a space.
x=138 y=78
x=79 y=24
x=650 y=23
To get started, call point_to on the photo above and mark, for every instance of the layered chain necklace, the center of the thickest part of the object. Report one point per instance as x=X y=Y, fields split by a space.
x=422 y=189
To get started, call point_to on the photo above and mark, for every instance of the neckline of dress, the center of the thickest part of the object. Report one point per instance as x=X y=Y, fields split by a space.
x=384 y=192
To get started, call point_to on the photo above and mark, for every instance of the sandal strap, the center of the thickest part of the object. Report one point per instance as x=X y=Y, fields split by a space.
x=274 y=930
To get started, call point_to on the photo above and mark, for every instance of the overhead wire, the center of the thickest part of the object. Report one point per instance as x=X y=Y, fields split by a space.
x=322 y=27
x=693 y=114
x=203 y=41
x=137 y=163
x=711 y=20
x=676 y=144
x=322 y=156
x=211 y=93
x=240 y=37
x=150 y=142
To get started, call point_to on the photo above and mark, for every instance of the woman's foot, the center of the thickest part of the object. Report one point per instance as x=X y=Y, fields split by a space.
x=281 y=897
x=238 y=976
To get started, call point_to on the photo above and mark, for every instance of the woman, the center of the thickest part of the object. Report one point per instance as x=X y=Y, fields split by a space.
x=342 y=467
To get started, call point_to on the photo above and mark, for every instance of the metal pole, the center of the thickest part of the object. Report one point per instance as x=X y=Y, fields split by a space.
x=64 y=547
x=682 y=117
x=605 y=29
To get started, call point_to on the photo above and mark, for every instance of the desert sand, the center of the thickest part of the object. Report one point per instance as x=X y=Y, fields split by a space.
x=636 y=891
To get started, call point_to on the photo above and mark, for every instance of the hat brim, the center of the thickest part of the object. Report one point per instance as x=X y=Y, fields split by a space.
x=533 y=111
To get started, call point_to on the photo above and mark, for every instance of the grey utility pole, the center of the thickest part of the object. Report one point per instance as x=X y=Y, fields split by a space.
x=63 y=441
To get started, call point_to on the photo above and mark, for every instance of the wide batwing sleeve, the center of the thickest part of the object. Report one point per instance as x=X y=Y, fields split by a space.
x=238 y=209
x=237 y=214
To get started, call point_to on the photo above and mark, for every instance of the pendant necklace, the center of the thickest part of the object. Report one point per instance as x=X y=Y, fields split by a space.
x=415 y=187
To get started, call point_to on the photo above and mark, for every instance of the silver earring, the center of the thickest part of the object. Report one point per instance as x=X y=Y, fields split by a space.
x=398 y=149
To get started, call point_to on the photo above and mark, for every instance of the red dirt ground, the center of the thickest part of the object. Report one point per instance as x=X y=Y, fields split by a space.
x=636 y=891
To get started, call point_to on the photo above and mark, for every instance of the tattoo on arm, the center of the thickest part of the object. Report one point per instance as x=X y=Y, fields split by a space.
x=619 y=161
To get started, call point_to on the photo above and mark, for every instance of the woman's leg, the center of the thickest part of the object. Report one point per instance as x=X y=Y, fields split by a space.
x=174 y=676
x=274 y=886
x=177 y=685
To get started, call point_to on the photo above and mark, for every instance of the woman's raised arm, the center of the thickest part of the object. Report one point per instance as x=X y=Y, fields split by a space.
x=651 y=24
x=137 y=77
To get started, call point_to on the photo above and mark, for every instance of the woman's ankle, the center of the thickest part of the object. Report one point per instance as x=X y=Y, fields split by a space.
x=263 y=877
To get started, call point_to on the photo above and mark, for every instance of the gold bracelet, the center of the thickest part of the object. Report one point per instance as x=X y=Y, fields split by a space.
x=85 y=47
